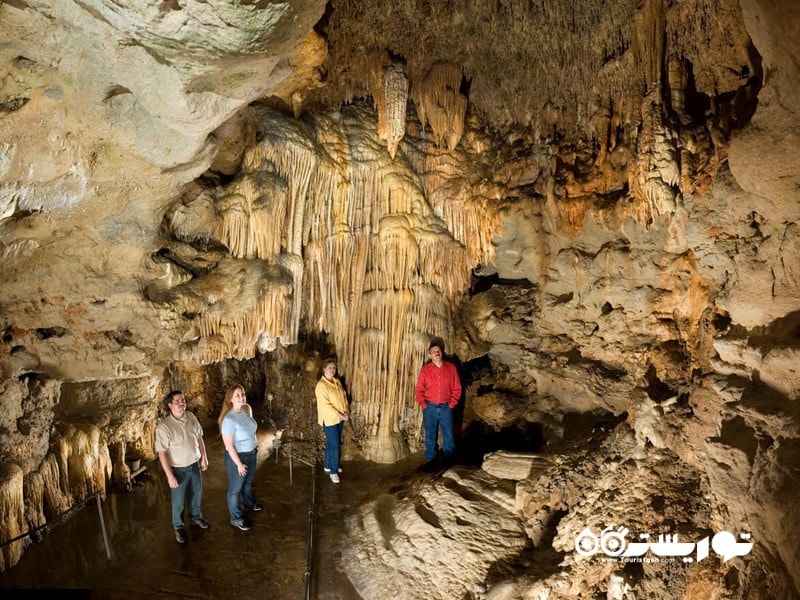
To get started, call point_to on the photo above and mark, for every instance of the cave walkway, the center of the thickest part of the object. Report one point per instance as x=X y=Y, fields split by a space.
x=269 y=561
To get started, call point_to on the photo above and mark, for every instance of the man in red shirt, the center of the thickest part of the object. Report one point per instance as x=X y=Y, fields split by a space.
x=438 y=391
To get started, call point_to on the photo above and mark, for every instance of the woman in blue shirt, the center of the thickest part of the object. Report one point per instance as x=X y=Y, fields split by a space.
x=238 y=429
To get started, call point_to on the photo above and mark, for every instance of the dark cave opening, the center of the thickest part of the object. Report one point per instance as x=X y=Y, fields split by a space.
x=482 y=283
x=656 y=389
x=479 y=439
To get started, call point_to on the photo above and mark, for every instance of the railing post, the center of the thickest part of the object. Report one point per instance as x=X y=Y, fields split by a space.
x=310 y=555
x=103 y=526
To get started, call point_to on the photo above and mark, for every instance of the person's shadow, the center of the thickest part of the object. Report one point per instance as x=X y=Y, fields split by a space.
x=458 y=411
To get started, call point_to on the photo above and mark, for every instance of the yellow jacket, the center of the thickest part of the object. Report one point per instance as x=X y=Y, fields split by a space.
x=331 y=400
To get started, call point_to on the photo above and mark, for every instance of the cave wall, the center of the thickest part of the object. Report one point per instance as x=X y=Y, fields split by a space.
x=612 y=226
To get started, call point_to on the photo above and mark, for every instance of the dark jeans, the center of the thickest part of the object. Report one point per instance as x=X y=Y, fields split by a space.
x=333 y=443
x=240 y=489
x=438 y=416
x=190 y=487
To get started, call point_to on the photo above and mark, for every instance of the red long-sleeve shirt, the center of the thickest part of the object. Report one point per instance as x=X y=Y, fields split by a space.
x=439 y=385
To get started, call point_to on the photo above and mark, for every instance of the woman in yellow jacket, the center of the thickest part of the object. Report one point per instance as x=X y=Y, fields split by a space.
x=332 y=412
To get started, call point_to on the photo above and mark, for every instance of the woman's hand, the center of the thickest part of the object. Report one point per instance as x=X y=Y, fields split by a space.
x=242 y=469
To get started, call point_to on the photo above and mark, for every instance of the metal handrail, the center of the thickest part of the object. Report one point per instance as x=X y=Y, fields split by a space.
x=58 y=519
x=311 y=512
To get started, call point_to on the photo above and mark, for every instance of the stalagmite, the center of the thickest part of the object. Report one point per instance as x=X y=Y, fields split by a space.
x=84 y=461
x=12 y=507
x=441 y=104
x=54 y=500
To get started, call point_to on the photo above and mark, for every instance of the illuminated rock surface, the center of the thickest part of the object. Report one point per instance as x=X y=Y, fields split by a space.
x=594 y=205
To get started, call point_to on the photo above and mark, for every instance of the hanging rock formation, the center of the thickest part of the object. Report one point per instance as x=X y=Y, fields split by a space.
x=594 y=205
x=320 y=206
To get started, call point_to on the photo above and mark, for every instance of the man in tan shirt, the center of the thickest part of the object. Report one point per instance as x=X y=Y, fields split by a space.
x=182 y=454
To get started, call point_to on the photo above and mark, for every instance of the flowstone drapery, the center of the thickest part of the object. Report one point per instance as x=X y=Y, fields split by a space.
x=325 y=229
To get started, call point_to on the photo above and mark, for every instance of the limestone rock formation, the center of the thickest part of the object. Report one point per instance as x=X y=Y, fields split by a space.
x=595 y=205
x=433 y=539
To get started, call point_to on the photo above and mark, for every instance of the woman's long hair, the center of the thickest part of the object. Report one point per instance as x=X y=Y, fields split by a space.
x=227 y=405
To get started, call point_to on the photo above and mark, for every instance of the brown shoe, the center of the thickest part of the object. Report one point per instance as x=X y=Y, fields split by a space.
x=201 y=523
x=180 y=535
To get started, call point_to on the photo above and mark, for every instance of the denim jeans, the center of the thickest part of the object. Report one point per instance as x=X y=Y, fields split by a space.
x=240 y=489
x=190 y=487
x=333 y=443
x=438 y=416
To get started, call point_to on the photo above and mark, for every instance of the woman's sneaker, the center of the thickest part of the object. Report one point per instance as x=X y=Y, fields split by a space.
x=241 y=524
x=334 y=478
x=327 y=470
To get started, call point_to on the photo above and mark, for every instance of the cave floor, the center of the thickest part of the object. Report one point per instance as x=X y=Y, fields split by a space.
x=269 y=561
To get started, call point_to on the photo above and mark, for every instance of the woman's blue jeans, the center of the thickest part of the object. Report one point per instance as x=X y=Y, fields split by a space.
x=190 y=487
x=240 y=489
x=438 y=416
x=333 y=443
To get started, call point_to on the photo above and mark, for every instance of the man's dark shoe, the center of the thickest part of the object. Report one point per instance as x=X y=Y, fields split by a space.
x=201 y=523
x=256 y=507
x=241 y=524
x=180 y=535
x=430 y=467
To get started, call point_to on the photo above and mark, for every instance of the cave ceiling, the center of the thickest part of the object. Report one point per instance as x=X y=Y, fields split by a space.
x=597 y=199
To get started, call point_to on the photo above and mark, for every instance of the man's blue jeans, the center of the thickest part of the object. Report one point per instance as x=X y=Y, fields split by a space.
x=438 y=416
x=333 y=443
x=240 y=489
x=190 y=487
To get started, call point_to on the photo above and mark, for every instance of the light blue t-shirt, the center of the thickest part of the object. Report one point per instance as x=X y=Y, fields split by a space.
x=243 y=429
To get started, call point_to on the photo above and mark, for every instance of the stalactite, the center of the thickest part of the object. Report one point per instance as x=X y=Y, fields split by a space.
x=441 y=104
x=651 y=39
x=237 y=303
x=295 y=162
x=677 y=78
x=227 y=333
x=376 y=264
x=268 y=213
x=315 y=300
x=436 y=248
x=235 y=225
x=293 y=263
x=393 y=256
x=655 y=175
x=390 y=91
x=194 y=221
